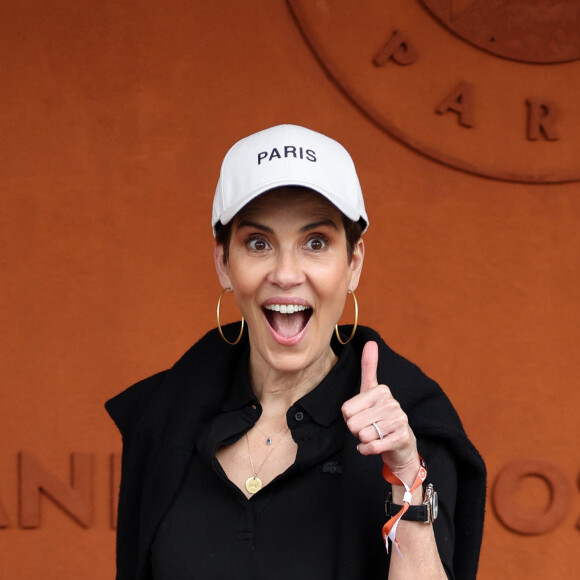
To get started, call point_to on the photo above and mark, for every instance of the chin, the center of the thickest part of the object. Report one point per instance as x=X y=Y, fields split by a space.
x=290 y=356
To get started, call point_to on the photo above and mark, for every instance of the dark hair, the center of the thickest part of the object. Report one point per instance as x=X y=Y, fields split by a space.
x=353 y=231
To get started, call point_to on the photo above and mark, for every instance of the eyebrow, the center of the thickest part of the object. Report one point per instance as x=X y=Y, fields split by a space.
x=313 y=226
x=250 y=224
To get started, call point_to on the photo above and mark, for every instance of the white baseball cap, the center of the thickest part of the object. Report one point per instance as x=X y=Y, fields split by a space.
x=287 y=155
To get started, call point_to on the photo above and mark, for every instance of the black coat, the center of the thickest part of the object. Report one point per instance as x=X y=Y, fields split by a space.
x=159 y=419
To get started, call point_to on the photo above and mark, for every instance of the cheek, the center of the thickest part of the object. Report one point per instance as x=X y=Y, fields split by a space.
x=332 y=286
x=334 y=276
x=246 y=283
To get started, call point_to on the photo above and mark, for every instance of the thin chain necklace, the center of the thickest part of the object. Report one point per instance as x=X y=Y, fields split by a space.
x=269 y=438
x=254 y=483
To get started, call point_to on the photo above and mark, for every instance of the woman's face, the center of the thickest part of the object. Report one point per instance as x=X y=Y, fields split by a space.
x=288 y=267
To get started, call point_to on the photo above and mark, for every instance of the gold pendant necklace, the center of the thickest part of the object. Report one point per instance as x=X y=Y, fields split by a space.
x=254 y=483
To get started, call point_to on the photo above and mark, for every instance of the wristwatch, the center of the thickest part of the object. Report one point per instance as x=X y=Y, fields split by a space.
x=426 y=512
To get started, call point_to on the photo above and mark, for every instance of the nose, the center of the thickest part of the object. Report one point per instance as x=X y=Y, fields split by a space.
x=286 y=270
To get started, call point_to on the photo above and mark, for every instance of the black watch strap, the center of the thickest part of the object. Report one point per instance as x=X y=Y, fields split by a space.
x=415 y=513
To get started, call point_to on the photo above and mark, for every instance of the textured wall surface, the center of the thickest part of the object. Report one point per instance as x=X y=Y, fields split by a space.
x=115 y=116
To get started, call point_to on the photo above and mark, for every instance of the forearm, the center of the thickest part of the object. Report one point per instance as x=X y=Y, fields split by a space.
x=420 y=557
x=382 y=427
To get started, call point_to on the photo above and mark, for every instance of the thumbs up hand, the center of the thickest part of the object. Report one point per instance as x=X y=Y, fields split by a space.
x=377 y=420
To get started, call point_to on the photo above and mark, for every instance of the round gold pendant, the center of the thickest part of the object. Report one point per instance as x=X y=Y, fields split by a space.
x=253 y=484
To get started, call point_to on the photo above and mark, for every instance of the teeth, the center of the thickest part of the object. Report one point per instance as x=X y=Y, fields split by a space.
x=286 y=308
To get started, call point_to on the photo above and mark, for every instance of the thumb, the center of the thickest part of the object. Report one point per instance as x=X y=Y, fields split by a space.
x=368 y=363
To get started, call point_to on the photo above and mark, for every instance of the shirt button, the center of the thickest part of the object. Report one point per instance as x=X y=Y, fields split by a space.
x=299 y=416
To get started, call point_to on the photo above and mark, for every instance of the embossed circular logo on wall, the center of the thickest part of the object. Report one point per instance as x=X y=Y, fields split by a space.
x=485 y=86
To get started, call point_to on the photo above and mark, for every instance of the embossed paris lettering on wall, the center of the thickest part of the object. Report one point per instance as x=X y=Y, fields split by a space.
x=487 y=87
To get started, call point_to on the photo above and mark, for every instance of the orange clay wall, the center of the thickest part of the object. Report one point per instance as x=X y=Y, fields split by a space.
x=114 y=119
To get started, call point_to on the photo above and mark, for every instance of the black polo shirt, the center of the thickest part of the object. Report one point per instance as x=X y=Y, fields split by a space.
x=289 y=529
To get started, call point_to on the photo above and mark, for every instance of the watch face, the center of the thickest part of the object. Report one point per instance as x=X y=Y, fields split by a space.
x=434 y=506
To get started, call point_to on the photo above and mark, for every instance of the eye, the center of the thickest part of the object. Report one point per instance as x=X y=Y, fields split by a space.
x=258 y=244
x=317 y=243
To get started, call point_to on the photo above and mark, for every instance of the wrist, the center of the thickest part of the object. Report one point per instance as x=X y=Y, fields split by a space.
x=409 y=496
x=406 y=474
x=425 y=512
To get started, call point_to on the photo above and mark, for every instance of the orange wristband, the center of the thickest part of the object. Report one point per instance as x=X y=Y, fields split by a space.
x=390 y=528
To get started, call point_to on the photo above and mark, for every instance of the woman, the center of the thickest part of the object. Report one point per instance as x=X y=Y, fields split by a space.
x=269 y=452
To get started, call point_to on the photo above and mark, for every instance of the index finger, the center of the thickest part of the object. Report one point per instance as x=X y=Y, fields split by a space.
x=368 y=365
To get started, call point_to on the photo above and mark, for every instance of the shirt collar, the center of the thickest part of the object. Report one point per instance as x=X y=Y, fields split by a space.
x=241 y=394
x=323 y=404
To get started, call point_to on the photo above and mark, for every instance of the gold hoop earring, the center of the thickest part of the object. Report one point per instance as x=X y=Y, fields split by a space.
x=355 y=322
x=218 y=320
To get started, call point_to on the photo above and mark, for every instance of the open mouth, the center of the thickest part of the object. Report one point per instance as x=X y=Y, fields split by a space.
x=287 y=320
